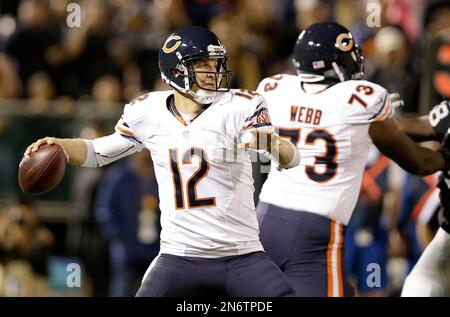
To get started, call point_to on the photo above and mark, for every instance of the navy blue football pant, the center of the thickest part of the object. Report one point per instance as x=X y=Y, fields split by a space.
x=247 y=275
x=308 y=248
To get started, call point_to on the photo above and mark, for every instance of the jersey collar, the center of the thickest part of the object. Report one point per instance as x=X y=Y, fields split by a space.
x=170 y=103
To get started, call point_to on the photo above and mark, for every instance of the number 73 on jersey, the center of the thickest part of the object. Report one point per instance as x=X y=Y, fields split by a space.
x=329 y=158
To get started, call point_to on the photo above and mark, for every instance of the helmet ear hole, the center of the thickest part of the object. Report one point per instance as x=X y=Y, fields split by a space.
x=174 y=72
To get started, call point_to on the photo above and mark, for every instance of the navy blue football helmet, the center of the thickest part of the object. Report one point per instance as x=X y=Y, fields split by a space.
x=177 y=55
x=327 y=51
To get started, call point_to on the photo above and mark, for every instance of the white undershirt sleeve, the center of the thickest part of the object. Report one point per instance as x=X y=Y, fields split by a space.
x=105 y=150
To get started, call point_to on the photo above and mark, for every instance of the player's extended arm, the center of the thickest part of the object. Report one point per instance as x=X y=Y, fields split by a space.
x=395 y=144
x=417 y=128
x=430 y=127
x=91 y=153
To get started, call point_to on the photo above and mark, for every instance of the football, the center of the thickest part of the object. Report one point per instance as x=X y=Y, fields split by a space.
x=42 y=170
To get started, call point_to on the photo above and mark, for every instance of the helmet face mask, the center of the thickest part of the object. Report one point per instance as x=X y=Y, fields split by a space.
x=221 y=75
x=327 y=51
x=178 y=59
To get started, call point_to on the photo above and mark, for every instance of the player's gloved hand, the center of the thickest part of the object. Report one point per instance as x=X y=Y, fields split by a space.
x=444 y=195
x=439 y=118
x=396 y=100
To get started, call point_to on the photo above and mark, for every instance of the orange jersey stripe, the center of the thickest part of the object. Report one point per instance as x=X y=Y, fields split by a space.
x=329 y=262
x=247 y=126
x=385 y=113
x=125 y=131
x=334 y=265
x=339 y=261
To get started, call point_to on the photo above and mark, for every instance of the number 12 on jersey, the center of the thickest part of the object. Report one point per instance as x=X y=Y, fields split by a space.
x=191 y=185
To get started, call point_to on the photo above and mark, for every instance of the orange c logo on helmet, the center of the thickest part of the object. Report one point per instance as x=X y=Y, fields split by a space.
x=344 y=42
x=174 y=47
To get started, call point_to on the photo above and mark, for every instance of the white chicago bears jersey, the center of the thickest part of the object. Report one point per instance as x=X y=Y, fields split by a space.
x=205 y=186
x=330 y=129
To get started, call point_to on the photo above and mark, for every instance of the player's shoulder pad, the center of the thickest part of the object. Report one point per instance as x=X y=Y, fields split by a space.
x=272 y=82
x=364 y=101
x=247 y=101
x=365 y=87
x=139 y=106
x=371 y=95
x=246 y=96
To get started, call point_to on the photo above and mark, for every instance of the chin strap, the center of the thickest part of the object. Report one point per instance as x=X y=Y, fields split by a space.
x=203 y=96
x=338 y=71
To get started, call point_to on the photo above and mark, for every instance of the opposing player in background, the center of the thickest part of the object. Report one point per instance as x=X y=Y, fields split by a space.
x=332 y=116
x=431 y=274
x=209 y=237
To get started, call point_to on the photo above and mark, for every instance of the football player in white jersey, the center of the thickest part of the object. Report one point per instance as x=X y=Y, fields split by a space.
x=209 y=238
x=332 y=116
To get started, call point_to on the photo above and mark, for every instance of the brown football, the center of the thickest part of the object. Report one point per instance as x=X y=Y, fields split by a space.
x=42 y=170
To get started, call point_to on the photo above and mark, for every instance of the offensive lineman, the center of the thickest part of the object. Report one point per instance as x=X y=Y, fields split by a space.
x=332 y=116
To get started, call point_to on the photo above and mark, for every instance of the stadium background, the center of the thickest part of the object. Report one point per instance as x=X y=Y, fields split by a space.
x=70 y=82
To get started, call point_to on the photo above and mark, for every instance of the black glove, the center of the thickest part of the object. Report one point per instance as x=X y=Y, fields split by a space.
x=444 y=195
x=439 y=118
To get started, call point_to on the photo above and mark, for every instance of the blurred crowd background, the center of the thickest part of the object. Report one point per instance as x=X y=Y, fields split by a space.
x=72 y=82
